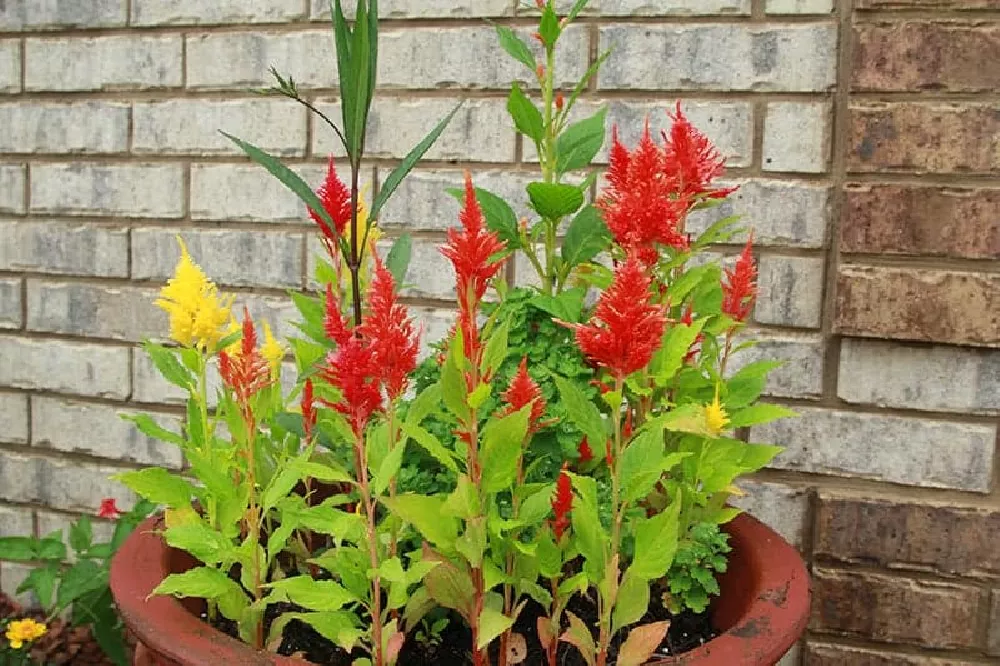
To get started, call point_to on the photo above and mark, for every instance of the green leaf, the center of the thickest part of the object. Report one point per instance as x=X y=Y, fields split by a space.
x=748 y=383
x=586 y=237
x=491 y=624
x=359 y=74
x=51 y=547
x=516 y=47
x=472 y=544
x=656 y=543
x=577 y=146
x=641 y=644
x=631 y=602
x=581 y=411
x=578 y=635
x=764 y=412
x=669 y=359
x=495 y=352
x=567 y=305
x=41 y=581
x=18 y=548
x=159 y=486
x=389 y=468
x=431 y=444
x=206 y=544
x=757 y=456
x=555 y=200
x=399 y=258
x=463 y=502
x=453 y=387
x=203 y=582
x=426 y=403
x=575 y=11
x=426 y=514
x=148 y=426
x=500 y=217
x=79 y=580
x=393 y=180
x=339 y=627
x=640 y=467
x=582 y=83
x=590 y=536
x=527 y=118
x=289 y=178
x=167 y=364
x=503 y=442
x=548 y=27
x=537 y=506
x=315 y=595
x=451 y=587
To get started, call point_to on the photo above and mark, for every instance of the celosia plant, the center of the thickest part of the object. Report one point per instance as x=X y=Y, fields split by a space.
x=305 y=501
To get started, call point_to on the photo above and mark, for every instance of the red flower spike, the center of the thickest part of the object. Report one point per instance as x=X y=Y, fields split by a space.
x=691 y=161
x=108 y=509
x=739 y=288
x=627 y=428
x=308 y=409
x=562 y=503
x=390 y=331
x=523 y=391
x=627 y=328
x=334 y=324
x=249 y=373
x=336 y=200
x=586 y=453
x=353 y=369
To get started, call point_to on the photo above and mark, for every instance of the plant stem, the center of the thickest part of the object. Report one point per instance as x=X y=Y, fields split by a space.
x=254 y=518
x=617 y=515
x=354 y=265
x=366 y=497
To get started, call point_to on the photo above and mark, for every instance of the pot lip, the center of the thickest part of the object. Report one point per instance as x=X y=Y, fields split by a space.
x=772 y=624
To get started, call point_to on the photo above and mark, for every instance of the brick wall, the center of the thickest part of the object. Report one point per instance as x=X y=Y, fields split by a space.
x=866 y=140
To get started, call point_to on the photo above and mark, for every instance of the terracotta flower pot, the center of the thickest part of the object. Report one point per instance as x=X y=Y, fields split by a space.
x=762 y=611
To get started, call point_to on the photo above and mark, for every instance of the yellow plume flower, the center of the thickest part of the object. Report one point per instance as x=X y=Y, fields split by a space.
x=716 y=417
x=24 y=631
x=198 y=315
x=272 y=350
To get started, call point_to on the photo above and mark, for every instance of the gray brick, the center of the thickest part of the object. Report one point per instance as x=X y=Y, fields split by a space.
x=797 y=136
x=237 y=258
x=13 y=418
x=11 y=188
x=10 y=65
x=12 y=574
x=100 y=431
x=660 y=8
x=193 y=126
x=801 y=376
x=799 y=6
x=244 y=59
x=103 y=63
x=422 y=203
x=480 y=131
x=430 y=274
x=133 y=190
x=15 y=522
x=90 y=127
x=894 y=449
x=60 y=484
x=434 y=325
x=408 y=59
x=791 y=291
x=10 y=303
x=911 y=376
x=49 y=14
x=783 y=213
x=424 y=9
x=780 y=507
x=186 y=12
x=63 y=248
x=90 y=310
x=249 y=193
x=65 y=367
x=719 y=57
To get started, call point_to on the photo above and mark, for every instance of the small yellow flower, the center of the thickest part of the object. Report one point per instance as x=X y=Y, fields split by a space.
x=197 y=313
x=24 y=631
x=716 y=417
x=272 y=350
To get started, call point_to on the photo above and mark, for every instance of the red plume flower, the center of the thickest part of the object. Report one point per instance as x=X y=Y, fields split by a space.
x=586 y=453
x=390 y=330
x=523 y=391
x=334 y=324
x=627 y=328
x=308 y=409
x=740 y=285
x=247 y=373
x=562 y=503
x=353 y=369
x=336 y=200
x=691 y=161
x=108 y=509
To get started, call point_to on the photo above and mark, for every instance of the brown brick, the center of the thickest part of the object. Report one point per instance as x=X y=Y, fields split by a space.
x=946 y=539
x=993 y=647
x=926 y=55
x=961 y=5
x=820 y=654
x=913 y=304
x=917 y=137
x=895 y=610
x=929 y=221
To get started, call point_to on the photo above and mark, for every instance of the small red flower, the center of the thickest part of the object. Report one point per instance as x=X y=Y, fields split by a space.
x=740 y=285
x=586 y=453
x=308 y=409
x=108 y=509
x=523 y=391
x=627 y=428
x=688 y=319
x=389 y=328
x=353 y=368
x=560 y=101
x=336 y=200
x=334 y=324
x=627 y=328
x=691 y=161
x=562 y=503
x=247 y=373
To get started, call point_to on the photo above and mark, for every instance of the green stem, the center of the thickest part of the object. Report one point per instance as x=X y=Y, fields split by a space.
x=618 y=513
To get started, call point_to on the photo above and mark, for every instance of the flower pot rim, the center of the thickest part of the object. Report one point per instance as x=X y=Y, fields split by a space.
x=766 y=628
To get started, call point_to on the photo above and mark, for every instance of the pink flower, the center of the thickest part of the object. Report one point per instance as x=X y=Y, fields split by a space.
x=108 y=509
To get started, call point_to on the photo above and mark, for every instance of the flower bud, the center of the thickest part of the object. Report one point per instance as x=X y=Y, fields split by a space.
x=560 y=101
x=540 y=72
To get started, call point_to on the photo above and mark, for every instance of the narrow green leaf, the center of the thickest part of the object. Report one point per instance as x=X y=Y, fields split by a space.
x=431 y=444
x=575 y=11
x=763 y=412
x=81 y=534
x=555 y=200
x=567 y=305
x=316 y=595
x=41 y=581
x=495 y=352
x=389 y=468
x=582 y=83
x=577 y=146
x=503 y=441
x=203 y=582
x=396 y=177
x=492 y=623
x=167 y=364
x=81 y=579
x=426 y=403
x=586 y=237
x=548 y=27
x=579 y=636
x=206 y=544
x=398 y=260
x=516 y=47
x=640 y=465
x=453 y=388
x=527 y=118
x=669 y=358
x=147 y=426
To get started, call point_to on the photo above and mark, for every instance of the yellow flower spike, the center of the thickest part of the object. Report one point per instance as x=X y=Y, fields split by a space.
x=197 y=314
x=24 y=631
x=716 y=417
x=272 y=350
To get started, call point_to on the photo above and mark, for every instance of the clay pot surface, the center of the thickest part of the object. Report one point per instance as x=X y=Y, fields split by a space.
x=762 y=612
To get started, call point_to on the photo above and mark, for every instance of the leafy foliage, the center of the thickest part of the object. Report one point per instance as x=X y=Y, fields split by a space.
x=691 y=580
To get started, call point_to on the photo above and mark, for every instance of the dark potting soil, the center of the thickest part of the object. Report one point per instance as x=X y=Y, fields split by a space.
x=687 y=631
